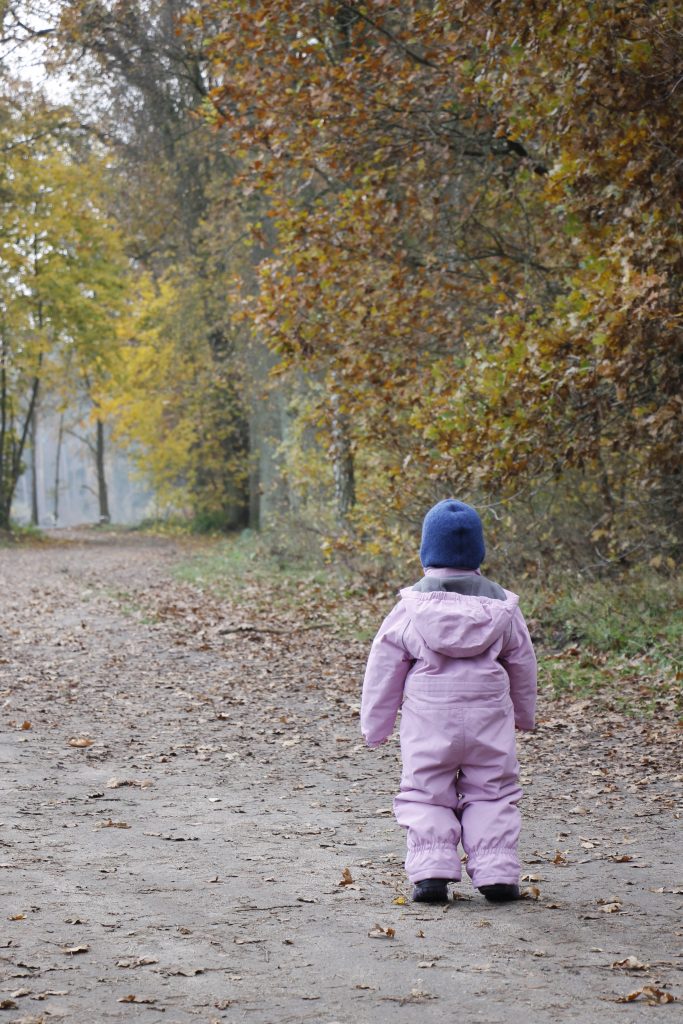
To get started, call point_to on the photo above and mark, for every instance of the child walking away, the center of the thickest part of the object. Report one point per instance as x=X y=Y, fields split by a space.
x=456 y=655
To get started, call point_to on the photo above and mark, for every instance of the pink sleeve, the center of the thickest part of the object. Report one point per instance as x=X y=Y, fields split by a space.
x=385 y=674
x=519 y=661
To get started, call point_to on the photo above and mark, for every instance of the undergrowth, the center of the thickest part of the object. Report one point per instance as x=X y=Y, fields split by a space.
x=618 y=638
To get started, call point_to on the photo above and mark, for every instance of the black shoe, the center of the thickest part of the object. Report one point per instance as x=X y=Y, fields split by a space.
x=431 y=890
x=501 y=892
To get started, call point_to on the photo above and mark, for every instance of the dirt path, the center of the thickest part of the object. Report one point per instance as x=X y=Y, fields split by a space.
x=185 y=866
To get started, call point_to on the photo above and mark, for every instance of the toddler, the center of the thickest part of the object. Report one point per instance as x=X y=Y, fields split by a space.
x=456 y=656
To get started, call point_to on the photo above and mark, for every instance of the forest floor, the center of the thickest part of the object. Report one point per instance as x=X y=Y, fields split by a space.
x=192 y=830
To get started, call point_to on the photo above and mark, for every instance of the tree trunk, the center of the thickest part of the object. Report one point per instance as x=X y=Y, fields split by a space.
x=342 y=461
x=58 y=460
x=35 y=516
x=102 y=494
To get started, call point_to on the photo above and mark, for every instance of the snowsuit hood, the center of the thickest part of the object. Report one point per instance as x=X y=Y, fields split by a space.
x=459 y=625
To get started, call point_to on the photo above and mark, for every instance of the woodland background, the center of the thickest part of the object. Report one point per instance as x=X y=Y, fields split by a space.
x=316 y=265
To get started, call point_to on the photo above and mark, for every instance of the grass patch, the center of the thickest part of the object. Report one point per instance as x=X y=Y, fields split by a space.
x=22 y=534
x=621 y=637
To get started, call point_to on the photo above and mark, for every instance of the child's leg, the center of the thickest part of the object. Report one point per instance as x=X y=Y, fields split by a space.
x=489 y=790
x=426 y=803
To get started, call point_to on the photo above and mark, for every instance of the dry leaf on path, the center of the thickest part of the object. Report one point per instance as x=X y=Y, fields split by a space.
x=140 y=961
x=630 y=963
x=532 y=893
x=416 y=996
x=80 y=741
x=113 y=824
x=346 y=878
x=653 y=996
x=140 y=783
x=135 y=999
x=75 y=949
x=380 y=932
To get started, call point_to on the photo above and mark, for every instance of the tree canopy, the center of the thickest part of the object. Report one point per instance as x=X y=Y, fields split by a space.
x=381 y=253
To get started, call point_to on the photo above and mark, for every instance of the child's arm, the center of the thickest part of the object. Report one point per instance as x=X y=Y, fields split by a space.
x=519 y=661
x=387 y=668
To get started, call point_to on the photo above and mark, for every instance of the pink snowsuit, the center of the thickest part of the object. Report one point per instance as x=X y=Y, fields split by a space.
x=456 y=655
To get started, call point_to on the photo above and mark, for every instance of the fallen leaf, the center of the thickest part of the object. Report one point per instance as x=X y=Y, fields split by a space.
x=75 y=949
x=135 y=999
x=400 y=901
x=380 y=932
x=532 y=893
x=653 y=996
x=139 y=783
x=113 y=824
x=560 y=857
x=416 y=996
x=26 y=725
x=346 y=878
x=17 y=917
x=140 y=961
x=242 y=940
x=630 y=963
x=80 y=741
x=8 y=1004
x=611 y=905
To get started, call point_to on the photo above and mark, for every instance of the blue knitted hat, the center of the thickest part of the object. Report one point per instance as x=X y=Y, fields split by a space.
x=452 y=536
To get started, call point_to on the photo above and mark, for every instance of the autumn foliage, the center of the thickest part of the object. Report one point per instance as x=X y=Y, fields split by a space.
x=382 y=253
x=473 y=217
